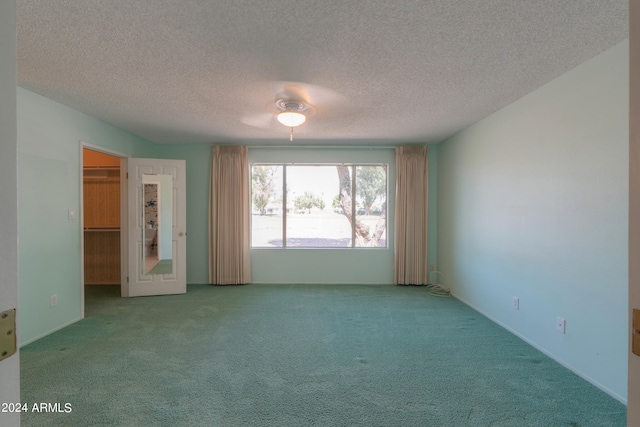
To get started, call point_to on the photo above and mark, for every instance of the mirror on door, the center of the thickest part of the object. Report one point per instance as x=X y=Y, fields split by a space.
x=157 y=239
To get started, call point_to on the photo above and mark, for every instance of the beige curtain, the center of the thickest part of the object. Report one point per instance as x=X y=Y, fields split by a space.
x=229 y=211
x=411 y=216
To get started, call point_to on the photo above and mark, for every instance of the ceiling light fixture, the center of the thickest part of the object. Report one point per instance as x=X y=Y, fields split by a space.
x=292 y=113
x=291 y=118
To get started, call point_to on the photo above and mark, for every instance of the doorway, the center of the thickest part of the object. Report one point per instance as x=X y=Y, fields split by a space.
x=101 y=223
x=112 y=231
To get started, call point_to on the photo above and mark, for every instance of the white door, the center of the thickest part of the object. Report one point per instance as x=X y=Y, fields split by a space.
x=156 y=227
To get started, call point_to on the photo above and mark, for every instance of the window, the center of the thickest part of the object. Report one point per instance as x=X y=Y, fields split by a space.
x=317 y=209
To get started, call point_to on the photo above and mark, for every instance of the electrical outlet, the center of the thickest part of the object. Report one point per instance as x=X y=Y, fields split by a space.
x=561 y=325
x=53 y=300
x=516 y=303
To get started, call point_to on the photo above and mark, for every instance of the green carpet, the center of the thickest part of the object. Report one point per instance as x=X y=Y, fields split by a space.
x=299 y=355
x=164 y=266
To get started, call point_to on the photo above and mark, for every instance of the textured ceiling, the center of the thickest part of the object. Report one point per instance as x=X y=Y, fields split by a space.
x=376 y=71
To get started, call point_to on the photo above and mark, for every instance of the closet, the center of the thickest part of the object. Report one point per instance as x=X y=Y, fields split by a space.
x=101 y=212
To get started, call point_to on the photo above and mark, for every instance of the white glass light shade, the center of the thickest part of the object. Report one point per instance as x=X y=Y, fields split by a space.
x=291 y=118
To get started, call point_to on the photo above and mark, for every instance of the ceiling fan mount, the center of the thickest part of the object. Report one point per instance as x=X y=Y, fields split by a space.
x=291 y=105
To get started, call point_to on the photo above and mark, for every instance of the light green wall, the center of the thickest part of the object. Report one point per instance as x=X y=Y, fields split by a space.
x=291 y=265
x=532 y=203
x=50 y=181
x=49 y=184
x=49 y=136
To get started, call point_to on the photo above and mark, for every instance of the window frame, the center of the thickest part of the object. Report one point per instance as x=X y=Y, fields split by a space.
x=354 y=208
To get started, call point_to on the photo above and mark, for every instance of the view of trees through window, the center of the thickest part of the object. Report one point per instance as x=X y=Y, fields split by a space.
x=318 y=208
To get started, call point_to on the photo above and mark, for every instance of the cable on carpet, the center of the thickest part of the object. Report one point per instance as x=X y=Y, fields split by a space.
x=436 y=289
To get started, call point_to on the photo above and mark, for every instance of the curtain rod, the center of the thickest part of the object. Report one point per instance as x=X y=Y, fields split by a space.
x=361 y=147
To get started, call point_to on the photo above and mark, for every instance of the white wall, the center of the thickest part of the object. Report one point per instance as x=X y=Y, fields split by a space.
x=10 y=367
x=532 y=202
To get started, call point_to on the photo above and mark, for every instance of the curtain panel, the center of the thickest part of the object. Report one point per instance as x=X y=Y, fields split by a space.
x=410 y=244
x=229 y=217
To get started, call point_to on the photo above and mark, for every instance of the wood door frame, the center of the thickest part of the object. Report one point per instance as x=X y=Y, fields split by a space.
x=123 y=216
